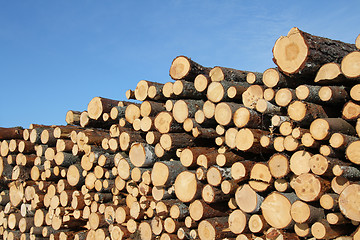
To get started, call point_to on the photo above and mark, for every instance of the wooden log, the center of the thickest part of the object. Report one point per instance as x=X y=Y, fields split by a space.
x=142 y=155
x=184 y=89
x=266 y=107
x=309 y=187
x=184 y=68
x=11 y=133
x=302 y=53
x=286 y=128
x=308 y=93
x=187 y=187
x=321 y=165
x=65 y=159
x=352 y=152
x=336 y=219
x=142 y=89
x=201 y=82
x=272 y=77
x=349 y=202
x=330 y=73
x=349 y=65
x=238 y=221
x=211 y=194
x=346 y=171
x=184 y=109
x=279 y=166
x=302 y=212
x=304 y=113
x=214 y=228
x=291 y=144
x=164 y=123
x=284 y=96
x=244 y=117
x=188 y=156
x=333 y=94
x=321 y=129
x=228 y=158
x=248 y=140
x=351 y=111
x=269 y=94
x=276 y=209
x=126 y=138
x=339 y=183
x=355 y=92
x=224 y=113
x=257 y=223
x=98 y=105
x=254 y=78
x=252 y=95
x=73 y=117
x=218 y=91
x=176 y=140
x=132 y=112
x=164 y=173
x=247 y=199
x=241 y=170
x=218 y=74
x=151 y=108
x=322 y=230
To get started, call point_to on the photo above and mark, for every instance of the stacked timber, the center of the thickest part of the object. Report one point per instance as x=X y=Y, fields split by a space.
x=218 y=153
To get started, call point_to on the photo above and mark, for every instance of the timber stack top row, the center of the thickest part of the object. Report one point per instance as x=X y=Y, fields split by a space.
x=218 y=153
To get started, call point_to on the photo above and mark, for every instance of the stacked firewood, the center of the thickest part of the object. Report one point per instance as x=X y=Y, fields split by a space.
x=218 y=153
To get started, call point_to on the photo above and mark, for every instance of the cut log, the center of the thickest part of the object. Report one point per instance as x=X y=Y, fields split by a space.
x=257 y=223
x=98 y=105
x=266 y=107
x=184 y=89
x=186 y=69
x=302 y=212
x=142 y=88
x=188 y=156
x=269 y=94
x=330 y=73
x=252 y=95
x=353 y=152
x=224 y=113
x=247 y=199
x=142 y=155
x=241 y=170
x=338 y=184
x=302 y=53
x=304 y=113
x=308 y=93
x=355 y=92
x=351 y=111
x=218 y=91
x=151 y=108
x=272 y=77
x=322 y=166
x=73 y=117
x=322 y=230
x=201 y=82
x=284 y=96
x=117 y=112
x=211 y=195
x=244 y=117
x=333 y=94
x=187 y=187
x=218 y=74
x=176 y=140
x=164 y=173
x=184 y=109
x=279 y=165
x=329 y=201
x=248 y=140
x=214 y=228
x=310 y=187
x=350 y=65
x=164 y=123
x=254 y=78
x=349 y=202
x=126 y=138
x=276 y=209
x=238 y=221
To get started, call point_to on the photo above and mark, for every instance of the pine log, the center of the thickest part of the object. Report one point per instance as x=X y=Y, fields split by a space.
x=142 y=155
x=339 y=183
x=184 y=109
x=276 y=209
x=333 y=94
x=308 y=93
x=310 y=187
x=186 y=69
x=279 y=165
x=247 y=199
x=284 y=96
x=73 y=117
x=176 y=140
x=165 y=172
x=151 y=108
x=323 y=166
x=322 y=230
x=98 y=105
x=218 y=74
x=248 y=140
x=244 y=117
x=266 y=107
x=330 y=73
x=351 y=111
x=349 y=202
x=164 y=123
x=214 y=228
x=201 y=82
x=269 y=94
x=11 y=133
x=212 y=194
x=352 y=152
x=302 y=212
x=254 y=78
x=188 y=156
x=304 y=113
x=252 y=95
x=142 y=88
x=218 y=91
x=187 y=187
x=126 y=138
x=238 y=221
x=241 y=170
x=349 y=65
x=184 y=89
x=167 y=90
x=302 y=53
x=272 y=77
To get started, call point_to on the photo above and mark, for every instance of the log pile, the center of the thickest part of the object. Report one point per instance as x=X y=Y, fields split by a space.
x=218 y=153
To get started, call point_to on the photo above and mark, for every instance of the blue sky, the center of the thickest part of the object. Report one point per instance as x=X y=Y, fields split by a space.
x=56 y=56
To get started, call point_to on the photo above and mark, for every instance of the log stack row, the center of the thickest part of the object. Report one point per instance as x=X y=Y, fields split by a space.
x=218 y=153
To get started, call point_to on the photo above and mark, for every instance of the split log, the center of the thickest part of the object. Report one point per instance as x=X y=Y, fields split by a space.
x=302 y=53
